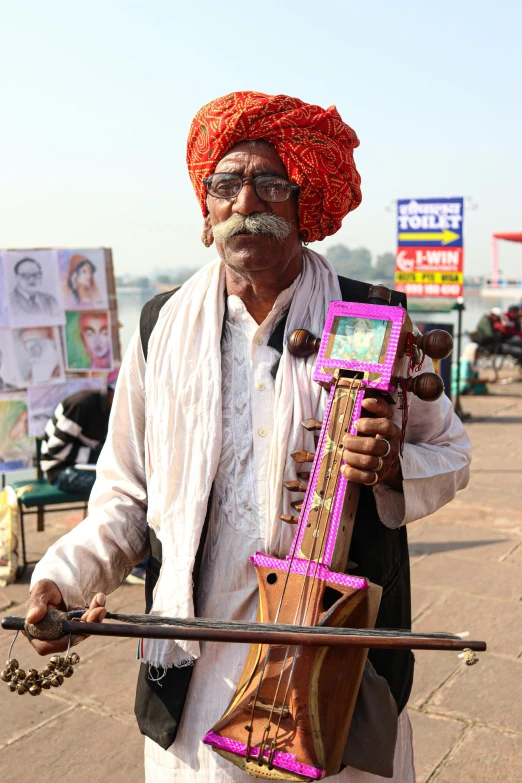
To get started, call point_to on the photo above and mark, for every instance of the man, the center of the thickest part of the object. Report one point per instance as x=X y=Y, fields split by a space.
x=26 y=297
x=75 y=436
x=96 y=339
x=219 y=401
x=492 y=335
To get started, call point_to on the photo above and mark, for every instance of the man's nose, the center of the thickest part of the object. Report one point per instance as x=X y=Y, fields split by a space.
x=247 y=201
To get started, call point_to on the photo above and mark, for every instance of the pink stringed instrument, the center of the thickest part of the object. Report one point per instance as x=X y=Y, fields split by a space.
x=290 y=715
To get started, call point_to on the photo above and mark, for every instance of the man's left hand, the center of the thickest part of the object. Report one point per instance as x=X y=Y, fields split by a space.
x=368 y=458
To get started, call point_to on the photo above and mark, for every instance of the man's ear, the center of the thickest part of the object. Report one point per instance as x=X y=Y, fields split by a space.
x=207 y=236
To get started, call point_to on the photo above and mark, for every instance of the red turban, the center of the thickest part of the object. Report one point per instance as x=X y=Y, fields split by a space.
x=315 y=145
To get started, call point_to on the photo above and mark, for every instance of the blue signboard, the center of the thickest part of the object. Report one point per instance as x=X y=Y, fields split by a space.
x=430 y=222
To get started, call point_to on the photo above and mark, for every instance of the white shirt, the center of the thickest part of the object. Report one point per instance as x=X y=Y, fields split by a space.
x=434 y=465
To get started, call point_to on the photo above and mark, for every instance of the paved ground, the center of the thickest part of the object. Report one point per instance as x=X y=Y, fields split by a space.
x=466 y=574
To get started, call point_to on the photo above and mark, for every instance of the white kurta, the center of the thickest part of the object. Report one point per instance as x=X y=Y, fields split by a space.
x=98 y=554
x=228 y=583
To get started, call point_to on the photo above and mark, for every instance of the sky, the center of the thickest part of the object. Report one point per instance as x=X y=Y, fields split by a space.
x=96 y=100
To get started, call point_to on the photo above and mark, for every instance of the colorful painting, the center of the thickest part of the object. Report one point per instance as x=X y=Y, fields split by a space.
x=32 y=288
x=88 y=340
x=42 y=401
x=16 y=447
x=83 y=278
x=358 y=340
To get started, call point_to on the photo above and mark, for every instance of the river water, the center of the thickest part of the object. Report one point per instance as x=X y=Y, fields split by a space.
x=130 y=303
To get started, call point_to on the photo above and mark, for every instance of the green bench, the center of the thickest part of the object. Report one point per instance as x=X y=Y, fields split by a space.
x=35 y=496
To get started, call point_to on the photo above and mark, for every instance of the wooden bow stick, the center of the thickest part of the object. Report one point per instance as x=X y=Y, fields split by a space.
x=57 y=624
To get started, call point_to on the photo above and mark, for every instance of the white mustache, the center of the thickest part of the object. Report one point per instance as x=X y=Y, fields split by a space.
x=258 y=223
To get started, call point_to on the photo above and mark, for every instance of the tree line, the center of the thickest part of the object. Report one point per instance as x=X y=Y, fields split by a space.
x=358 y=264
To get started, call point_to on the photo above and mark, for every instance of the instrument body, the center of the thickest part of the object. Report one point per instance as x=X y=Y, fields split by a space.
x=290 y=715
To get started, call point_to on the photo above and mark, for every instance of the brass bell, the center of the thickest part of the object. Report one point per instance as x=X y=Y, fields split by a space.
x=74 y=658
x=12 y=663
x=21 y=689
x=67 y=671
x=56 y=660
x=46 y=684
x=20 y=674
x=32 y=673
x=49 y=669
x=35 y=690
x=56 y=680
x=5 y=675
x=29 y=682
x=12 y=686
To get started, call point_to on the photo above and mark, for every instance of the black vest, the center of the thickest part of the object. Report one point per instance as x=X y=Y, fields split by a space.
x=381 y=555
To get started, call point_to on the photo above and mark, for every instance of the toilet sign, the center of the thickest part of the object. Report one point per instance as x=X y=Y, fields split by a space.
x=430 y=252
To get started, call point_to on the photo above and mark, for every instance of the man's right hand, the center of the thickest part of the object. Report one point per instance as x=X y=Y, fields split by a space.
x=46 y=595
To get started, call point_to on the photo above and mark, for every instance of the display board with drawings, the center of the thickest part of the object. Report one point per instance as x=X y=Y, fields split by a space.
x=58 y=335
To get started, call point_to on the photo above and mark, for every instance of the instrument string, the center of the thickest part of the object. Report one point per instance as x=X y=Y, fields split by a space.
x=315 y=469
x=348 y=410
x=330 y=475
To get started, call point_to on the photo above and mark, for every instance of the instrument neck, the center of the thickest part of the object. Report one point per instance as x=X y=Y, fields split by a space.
x=323 y=530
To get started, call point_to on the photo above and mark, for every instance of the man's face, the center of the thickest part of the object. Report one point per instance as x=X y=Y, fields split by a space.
x=29 y=276
x=96 y=337
x=246 y=253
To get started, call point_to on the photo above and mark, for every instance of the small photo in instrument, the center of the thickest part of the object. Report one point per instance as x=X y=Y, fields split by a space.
x=358 y=340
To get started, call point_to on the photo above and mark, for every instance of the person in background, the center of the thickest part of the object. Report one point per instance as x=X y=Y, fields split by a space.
x=470 y=381
x=75 y=436
x=491 y=335
x=512 y=326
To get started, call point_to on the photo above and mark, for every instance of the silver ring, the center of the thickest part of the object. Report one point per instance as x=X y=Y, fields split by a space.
x=389 y=447
x=376 y=479
x=380 y=463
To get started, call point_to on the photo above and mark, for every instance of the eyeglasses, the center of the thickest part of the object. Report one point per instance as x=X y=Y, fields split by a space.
x=29 y=275
x=267 y=187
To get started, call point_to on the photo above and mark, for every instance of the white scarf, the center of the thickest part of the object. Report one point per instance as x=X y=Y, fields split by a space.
x=184 y=430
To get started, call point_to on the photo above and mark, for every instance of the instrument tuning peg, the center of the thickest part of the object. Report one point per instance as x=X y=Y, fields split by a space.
x=302 y=456
x=379 y=295
x=302 y=343
x=295 y=485
x=289 y=518
x=297 y=504
x=428 y=386
x=312 y=424
x=437 y=344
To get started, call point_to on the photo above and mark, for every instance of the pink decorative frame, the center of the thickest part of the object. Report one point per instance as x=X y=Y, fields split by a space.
x=281 y=760
x=357 y=310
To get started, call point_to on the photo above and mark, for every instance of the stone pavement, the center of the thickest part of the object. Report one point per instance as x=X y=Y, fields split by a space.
x=466 y=575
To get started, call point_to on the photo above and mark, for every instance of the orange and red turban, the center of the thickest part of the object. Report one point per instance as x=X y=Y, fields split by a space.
x=315 y=145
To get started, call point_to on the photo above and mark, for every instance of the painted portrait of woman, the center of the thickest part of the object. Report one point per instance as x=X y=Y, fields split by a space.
x=84 y=282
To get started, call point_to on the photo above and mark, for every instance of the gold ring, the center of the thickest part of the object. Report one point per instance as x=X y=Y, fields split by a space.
x=376 y=479
x=389 y=447
x=380 y=463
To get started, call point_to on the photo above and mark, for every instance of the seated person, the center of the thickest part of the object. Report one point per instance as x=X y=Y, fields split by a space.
x=74 y=436
x=511 y=325
x=469 y=378
x=492 y=336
